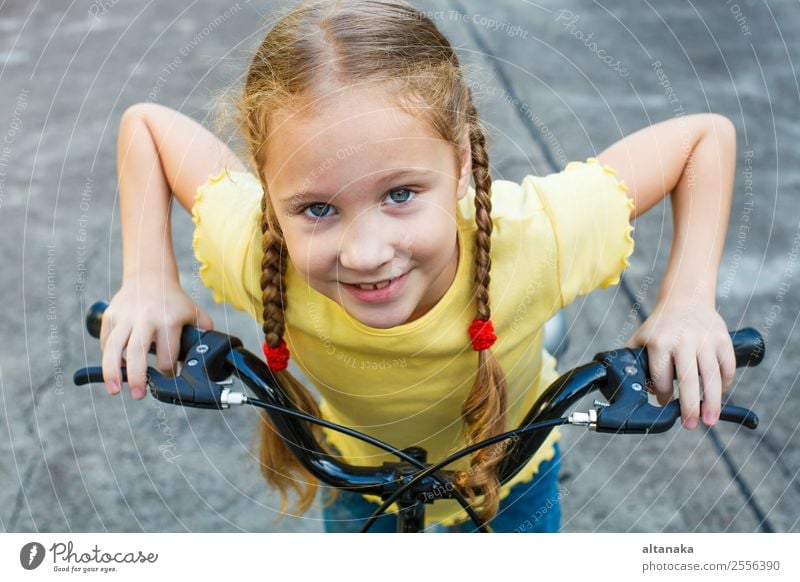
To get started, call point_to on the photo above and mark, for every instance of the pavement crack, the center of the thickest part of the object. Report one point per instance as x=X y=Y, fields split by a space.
x=22 y=498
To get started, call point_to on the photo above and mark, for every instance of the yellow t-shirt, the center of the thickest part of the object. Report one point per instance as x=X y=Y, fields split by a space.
x=555 y=237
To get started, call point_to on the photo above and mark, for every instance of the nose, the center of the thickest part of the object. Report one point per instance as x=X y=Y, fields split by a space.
x=365 y=247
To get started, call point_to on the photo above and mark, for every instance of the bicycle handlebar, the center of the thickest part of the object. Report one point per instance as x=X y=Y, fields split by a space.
x=632 y=414
x=748 y=344
x=620 y=375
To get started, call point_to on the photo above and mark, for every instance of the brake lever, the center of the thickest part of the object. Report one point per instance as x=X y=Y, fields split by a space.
x=199 y=383
x=629 y=411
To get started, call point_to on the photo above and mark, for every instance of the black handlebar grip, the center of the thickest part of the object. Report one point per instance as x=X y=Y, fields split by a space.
x=749 y=347
x=739 y=415
x=94 y=320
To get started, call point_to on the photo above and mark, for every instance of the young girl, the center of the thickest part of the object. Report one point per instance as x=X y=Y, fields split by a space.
x=413 y=302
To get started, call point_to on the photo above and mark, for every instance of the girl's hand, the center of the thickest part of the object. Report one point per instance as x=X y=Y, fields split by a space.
x=144 y=310
x=694 y=338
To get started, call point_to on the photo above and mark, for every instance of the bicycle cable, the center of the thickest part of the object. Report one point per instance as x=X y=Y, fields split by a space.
x=454 y=457
x=368 y=439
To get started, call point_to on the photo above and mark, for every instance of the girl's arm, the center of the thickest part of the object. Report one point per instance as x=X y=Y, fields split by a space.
x=160 y=152
x=694 y=158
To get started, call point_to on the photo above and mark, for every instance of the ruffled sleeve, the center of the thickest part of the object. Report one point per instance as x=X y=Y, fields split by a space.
x=226 y=213
x=589 y=211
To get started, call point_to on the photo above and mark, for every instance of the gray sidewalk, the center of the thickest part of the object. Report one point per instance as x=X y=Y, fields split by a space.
x=555 y=82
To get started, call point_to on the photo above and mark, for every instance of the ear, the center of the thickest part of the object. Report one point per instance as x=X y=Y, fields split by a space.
x=465 y=170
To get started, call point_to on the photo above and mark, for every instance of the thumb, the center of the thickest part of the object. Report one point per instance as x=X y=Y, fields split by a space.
x=640 y=337
x=203 y=320
x=633 y=342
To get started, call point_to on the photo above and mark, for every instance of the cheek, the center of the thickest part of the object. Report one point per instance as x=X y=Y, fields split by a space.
x=311 y=254
x=430 y=238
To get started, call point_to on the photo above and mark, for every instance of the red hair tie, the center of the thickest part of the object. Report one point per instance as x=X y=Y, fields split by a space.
x=482 y=334
x=277 y=358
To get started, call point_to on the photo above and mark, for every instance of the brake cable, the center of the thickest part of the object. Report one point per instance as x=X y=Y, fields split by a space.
x=368 y=439
x=454 y=457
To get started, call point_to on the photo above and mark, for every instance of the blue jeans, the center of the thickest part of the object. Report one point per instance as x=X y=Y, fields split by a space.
x=530 y=507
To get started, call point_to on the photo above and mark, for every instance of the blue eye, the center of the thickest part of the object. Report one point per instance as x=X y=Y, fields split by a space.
x=318 y=206
x=319 y=209
x=405 y=199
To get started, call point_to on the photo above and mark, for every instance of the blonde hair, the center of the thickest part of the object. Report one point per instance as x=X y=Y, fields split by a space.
x=313 y=48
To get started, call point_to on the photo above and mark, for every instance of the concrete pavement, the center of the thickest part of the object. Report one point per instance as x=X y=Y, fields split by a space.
x=77 y=460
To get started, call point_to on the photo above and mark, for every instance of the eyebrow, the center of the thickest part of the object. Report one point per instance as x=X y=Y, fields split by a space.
x=300 y=197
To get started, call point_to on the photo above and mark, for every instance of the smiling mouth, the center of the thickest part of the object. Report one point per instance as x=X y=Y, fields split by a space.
x=380 y=291
x=378 y=285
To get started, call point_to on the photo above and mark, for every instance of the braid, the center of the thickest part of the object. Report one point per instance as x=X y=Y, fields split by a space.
x=273 y=268
x=483 y=216
x=484 y=409
x=277 y=461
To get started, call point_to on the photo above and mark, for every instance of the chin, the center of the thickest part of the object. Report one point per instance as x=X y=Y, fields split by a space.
x=379 y=320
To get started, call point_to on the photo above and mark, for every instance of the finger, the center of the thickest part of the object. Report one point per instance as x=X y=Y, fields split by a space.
x=137 y=360
x=167 y=347
x=727 y=363
x=112 y=376
x=688 y=385
x=660 y=361
x=204 y=321
x=106 y=325
x=709 y=369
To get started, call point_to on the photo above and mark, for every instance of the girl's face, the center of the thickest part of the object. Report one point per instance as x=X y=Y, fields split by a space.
x=366 y=193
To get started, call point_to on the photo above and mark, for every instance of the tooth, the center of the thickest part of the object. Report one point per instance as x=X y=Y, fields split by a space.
x=379 y=285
